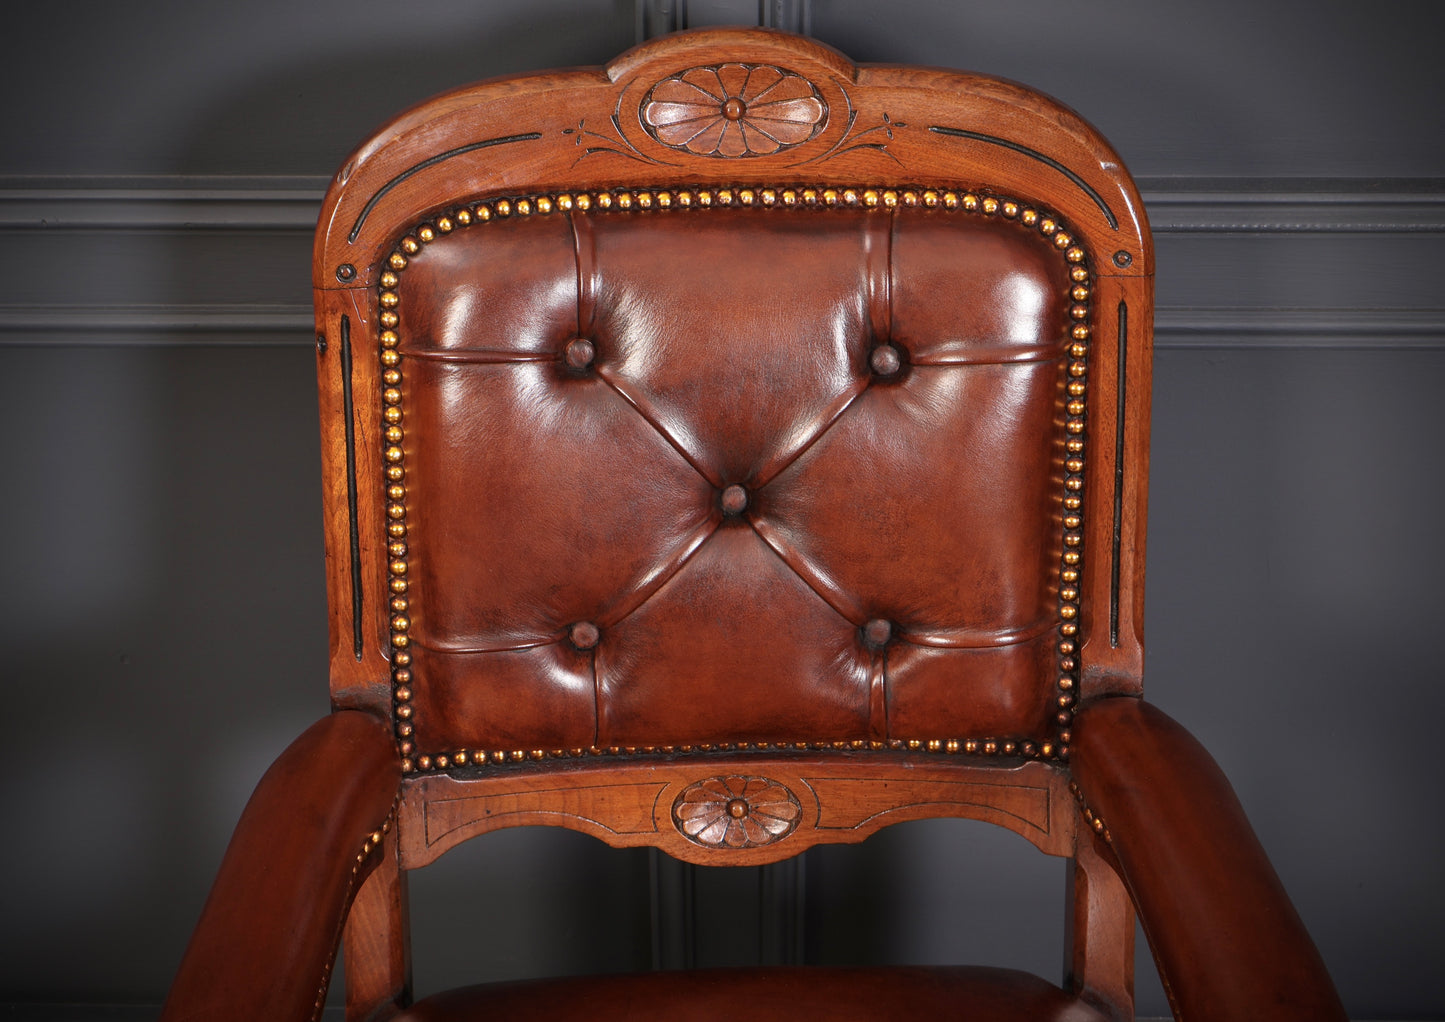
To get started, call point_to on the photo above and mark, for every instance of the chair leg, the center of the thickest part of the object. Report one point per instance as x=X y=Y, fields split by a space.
x=377 y=942
x=1099 y=931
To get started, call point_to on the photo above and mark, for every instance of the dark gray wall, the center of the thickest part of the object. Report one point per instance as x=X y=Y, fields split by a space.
x=163 y=631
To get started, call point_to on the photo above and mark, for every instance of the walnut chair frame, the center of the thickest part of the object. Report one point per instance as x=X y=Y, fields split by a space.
x=739 y=138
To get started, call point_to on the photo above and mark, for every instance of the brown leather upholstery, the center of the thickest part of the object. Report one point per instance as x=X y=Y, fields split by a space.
x=768 y=995
x=1171 y=813
x=266 y=938
x=544 y=498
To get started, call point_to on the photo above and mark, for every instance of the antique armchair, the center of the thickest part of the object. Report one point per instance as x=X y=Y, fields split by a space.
x=726 y=451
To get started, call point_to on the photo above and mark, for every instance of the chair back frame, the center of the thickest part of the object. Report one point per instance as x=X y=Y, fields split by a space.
x=859 y=136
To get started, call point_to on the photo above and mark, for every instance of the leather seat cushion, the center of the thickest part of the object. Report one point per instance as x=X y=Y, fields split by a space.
x=766 y=995
x=577 y=577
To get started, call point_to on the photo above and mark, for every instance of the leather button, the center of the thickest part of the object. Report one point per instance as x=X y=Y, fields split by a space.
x=585 y=635
x=579 y=353
x=877 y=632
x=734 y=500
x=885 y=360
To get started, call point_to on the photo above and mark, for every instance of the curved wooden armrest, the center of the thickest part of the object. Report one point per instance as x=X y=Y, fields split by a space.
x=268 y=933
x=1227 y=940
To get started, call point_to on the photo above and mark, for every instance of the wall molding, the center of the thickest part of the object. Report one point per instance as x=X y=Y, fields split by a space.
x=260 y=202
x=74 y=209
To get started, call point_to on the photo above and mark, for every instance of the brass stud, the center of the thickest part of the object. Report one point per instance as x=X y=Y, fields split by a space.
x=1062 y=240
x=425 y=233
x=564 y=202
x=464 y=217
x=1010 y=209
x=444 y=224
x=830 y=196
x=389 y=300
x=544 y=204
x=1079 y=273
x=1076 y=387
x=389 y=279
x=1030 y=217
x=624 y=200
x=870 y=198
x=389 y=319
x=503 y=208
x=746 y=196
x=769 y=196
x=664 y=200
x=410 y=246
x=1048 y=226
x=725 y=197
x=930 y=198
x=524 y=207
x=584 y=202
x=951 y=745
x=970 y=202
x=990 y=205
x=950 y=200
x=484 y=213
x=1075 y=255
x=890 y=199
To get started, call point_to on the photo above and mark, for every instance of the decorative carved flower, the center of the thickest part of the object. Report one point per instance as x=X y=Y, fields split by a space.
x=733 y=110
x=739 y=812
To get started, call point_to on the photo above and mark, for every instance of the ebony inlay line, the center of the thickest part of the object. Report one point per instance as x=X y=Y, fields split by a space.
x=346 y=404
x=1118 y=477
x=530 y=136
x=1049 y=161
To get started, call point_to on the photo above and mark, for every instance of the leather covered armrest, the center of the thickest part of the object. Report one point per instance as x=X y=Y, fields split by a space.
x=1229 y=944
x=269 y=930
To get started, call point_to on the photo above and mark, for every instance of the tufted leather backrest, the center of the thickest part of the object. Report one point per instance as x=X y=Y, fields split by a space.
x=736 y=472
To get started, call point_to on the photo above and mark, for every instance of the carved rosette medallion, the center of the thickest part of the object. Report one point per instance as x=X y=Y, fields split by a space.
x=734 y=110
x=736 y=812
